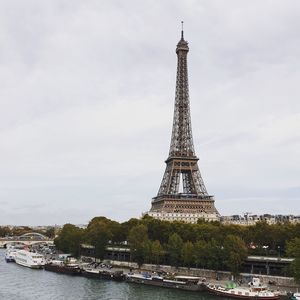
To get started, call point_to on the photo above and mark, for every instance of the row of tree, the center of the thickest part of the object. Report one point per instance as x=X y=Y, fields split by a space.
x=16 y=231
x=206 y=244
x=205 y=254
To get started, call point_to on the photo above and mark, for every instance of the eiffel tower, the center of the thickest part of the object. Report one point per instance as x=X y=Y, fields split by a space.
x=182 y=170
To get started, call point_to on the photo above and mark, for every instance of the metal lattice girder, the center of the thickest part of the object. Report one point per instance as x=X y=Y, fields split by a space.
x=182 y=163
x=192 y=180
x=182 y=158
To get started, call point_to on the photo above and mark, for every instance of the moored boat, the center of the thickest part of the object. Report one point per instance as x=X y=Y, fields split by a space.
x=63 y=267
x=10 y=255
x=295 y=296
x=29 y=259
x=178 y=282
x=254 y=291
x=103 y=274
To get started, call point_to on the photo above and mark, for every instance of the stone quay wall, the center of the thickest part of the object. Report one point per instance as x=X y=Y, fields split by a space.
x=283 y=283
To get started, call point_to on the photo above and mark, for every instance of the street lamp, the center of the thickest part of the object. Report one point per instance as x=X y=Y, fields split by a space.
x=278 y=251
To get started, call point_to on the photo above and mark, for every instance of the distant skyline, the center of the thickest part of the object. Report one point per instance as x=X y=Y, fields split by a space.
x=87 y=95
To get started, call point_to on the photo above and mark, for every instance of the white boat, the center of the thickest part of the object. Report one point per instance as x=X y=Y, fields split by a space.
x=10 y=255
x=296 y=296
x=30 y=259
x=254 y=291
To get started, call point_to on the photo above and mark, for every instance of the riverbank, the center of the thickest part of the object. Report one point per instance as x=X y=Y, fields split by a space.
x=283 y=284
x=118 y=266
x=17 y=282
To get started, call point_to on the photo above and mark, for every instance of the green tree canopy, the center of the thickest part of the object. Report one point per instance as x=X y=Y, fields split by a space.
x=69 y=239
x=98 y=233
x=187 y=253
x=174 y=246
x=235 y=252
x=4 y=231
x=50 y=232
x=293 y=250
x=157 y=251
x=138 y=242
x=200 y=253
x=215 y=244
x=215 y=255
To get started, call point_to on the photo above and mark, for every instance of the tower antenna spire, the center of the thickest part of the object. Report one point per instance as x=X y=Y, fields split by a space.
x=182 y=30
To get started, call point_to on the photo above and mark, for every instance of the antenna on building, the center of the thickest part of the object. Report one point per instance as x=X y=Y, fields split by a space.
x=182 y=30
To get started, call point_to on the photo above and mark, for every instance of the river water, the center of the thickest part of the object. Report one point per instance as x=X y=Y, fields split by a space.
x=17 y=282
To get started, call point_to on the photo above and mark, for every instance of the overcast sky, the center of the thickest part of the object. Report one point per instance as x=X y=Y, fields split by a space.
x=87 y=94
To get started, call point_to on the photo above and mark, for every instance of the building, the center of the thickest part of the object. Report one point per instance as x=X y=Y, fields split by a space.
x=182 y=195
x=248 y=219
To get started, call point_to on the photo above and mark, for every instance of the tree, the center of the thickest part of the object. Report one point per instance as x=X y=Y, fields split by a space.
x=157 y=251
x=98 y=234
x=174 y=247
x=293 y=250
x=215 y=255
x=50 y=232
x=235 y=252
x=69 y=239
x=118 y=235
x=187 y=253
x=126 y=226
x=200 y=253
x=263 y=234
x=138 y=242
x=157 y=229
x=208 y=230
x=186 y=231
x=17 y=231
x=4 y=231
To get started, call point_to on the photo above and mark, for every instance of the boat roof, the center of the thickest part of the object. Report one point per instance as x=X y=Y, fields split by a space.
x=187 y=277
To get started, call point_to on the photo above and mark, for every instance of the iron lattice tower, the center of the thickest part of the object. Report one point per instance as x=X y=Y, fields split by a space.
x=182 y=162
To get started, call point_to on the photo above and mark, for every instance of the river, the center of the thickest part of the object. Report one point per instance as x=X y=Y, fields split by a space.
x=17 y=282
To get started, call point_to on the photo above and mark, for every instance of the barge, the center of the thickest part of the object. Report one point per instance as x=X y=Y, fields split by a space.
x=62 y=267
x=103 y=274
x=187 y=283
